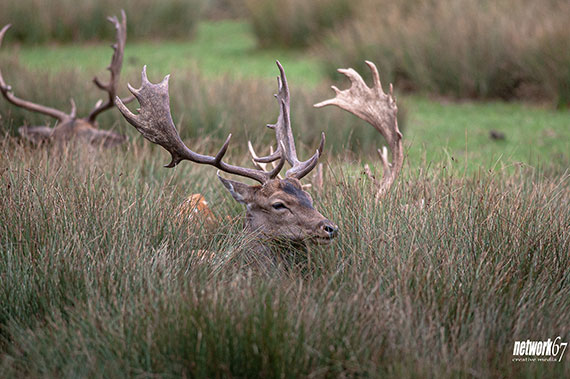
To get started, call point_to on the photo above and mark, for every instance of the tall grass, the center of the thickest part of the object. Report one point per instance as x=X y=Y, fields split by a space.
x=464 y=49
x=295 y=23
x=38 y=21
x=98 y=279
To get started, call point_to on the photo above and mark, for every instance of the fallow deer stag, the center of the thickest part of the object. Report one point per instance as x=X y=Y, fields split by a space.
x=277 y=209
x=379 y=110
x=69 y=126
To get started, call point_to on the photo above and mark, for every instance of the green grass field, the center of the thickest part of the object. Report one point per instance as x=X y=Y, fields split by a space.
x=97 y=279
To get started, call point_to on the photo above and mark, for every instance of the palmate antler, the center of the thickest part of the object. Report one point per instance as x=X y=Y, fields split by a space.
x=154 y=122
x=379 y=110
x=67 y=121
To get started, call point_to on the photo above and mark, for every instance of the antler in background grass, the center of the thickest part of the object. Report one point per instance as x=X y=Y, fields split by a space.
x=68 y=124
x=379 y=109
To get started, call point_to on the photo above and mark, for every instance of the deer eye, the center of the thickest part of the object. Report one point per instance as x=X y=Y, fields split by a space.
x=279 y=205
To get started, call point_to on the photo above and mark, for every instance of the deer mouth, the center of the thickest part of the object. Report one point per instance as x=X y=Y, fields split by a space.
x=325 y=233
x=322 y=240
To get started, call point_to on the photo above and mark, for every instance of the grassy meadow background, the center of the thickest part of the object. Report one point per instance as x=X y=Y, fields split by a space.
x=98 y=279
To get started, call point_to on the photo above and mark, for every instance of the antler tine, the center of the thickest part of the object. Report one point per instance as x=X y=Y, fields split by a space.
x=7 y=92
x=255 y=158
x=114 y=68
x=284 y=134
x=73 y=112
x=154 y=122
x=3 y=31
x=379 y=110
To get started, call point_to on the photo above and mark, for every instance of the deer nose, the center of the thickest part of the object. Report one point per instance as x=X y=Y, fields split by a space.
x=329 y=228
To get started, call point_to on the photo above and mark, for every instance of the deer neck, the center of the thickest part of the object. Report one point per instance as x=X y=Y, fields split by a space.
x=272 y=251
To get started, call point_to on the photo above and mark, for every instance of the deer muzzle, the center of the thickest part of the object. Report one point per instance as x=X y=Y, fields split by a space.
x=326 y=231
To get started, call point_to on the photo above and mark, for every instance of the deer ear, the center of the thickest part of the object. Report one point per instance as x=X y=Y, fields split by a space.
x=241 y=192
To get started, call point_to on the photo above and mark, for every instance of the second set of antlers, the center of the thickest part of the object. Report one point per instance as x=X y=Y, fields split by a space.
x=70 y=125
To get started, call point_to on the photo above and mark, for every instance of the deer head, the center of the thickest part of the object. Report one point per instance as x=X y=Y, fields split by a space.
x=379 y=110
x=69 y=126
x=276 y=208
